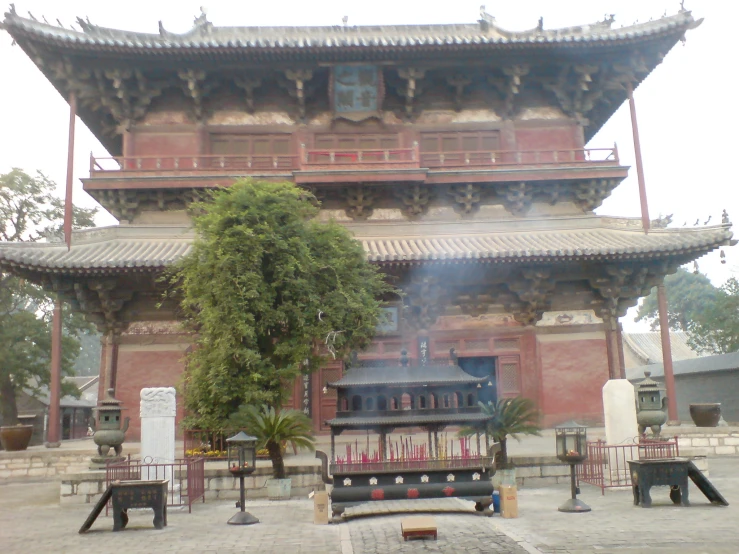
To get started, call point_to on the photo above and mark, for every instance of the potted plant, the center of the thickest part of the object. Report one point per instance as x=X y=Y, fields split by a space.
x=508 y=417
x=274 y=428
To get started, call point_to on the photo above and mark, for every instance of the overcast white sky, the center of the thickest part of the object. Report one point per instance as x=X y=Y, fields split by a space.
x=687 y=107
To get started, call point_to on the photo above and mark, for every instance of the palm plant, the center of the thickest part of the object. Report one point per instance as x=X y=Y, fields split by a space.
x=274 y=428
x=508 y=417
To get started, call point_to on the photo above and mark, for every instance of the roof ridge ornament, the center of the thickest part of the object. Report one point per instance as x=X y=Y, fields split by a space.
x=486 y=20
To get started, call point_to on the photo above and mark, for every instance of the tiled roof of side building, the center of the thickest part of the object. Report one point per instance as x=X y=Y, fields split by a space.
x=208 y=37
x=406 y=419
x=134 y=247
x=406 y=375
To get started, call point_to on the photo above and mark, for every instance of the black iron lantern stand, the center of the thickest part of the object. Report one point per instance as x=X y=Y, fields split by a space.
x=572 y=448
x=242 y=461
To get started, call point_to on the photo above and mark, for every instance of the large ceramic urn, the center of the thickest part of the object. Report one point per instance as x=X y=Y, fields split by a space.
x=110 y=430
x=651 y=405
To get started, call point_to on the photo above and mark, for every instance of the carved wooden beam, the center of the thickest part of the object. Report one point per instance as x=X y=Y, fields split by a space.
x=534 y=291
x=518 y=197
x=197 y=86
x=414 y=200
x=509 y=86
x=466 y=198
x=458 y=82
x=299 y=77
x=248 y=84
x=411 y=75
x=359 y=202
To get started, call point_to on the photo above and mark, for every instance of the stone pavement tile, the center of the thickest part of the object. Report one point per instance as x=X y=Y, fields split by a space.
x=284 y=527
x=465 y=533
x=616 y=525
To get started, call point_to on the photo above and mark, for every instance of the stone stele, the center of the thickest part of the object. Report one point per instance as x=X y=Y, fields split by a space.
x=158 y=410
x=619 y=406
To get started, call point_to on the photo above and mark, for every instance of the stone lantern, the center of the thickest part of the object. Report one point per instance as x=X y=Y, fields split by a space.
x=572 y=448
x=242 y=461
x=110 y=430
x=651 y=405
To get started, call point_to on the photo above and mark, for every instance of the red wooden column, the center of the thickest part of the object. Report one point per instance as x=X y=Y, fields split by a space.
x=661 y=297
x=53 y=436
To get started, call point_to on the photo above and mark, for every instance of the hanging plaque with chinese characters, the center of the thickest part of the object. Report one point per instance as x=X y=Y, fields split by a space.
x=306 y=395
x=356 y=91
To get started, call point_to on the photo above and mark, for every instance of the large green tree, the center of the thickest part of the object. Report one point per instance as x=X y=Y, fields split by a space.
x=270 y=292
x=715 y=329
x=687 y=295
x=29 y=212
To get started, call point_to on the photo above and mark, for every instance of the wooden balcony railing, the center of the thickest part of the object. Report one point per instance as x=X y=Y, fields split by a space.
x=361 y=159
x=454 y=160
x=251 y=163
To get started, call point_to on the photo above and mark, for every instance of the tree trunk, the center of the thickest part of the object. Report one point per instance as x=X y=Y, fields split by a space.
x=278 y=464
x=504 y=453
x=8 y=407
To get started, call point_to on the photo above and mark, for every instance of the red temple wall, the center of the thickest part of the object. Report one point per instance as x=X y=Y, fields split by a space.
x=548 y=138
x=574 y=368
x=148 y=365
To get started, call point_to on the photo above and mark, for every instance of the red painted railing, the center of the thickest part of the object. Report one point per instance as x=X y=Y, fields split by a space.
x=374 y=158
x=186 y=478
x=357 y=157
x=607 y=465
x=211 y=163
x=518 y=157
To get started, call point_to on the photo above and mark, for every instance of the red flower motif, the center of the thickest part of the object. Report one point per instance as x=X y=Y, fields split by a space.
x=413 y=493
x=448 y=491
x=378 y=494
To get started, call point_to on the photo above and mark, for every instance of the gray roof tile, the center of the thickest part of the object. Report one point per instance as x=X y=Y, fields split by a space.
x=407 y=420
x=140 y=247
x=205 y=36
x=412 y=375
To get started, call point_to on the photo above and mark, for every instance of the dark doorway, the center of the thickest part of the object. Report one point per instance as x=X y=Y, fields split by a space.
x=482 y=366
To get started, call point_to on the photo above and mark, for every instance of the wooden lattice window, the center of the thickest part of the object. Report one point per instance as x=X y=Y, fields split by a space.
x=477 y=345
x=509 y=377
x=506 y=344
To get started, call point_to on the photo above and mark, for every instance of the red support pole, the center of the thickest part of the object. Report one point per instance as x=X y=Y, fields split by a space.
x=639 y=165
x=70 y=169
x=53 y=437
x=664 y=330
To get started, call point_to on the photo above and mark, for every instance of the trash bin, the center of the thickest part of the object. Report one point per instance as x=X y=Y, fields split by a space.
x=496 y=502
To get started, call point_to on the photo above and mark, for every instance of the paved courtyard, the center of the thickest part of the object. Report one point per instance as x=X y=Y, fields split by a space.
x=31 y=520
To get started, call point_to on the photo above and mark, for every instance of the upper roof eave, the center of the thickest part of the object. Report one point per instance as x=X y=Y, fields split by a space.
x=204 y=37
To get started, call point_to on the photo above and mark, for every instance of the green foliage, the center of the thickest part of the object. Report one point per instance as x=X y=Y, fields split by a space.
x=274 y=428
x=270 y=293
x=715 y=329
x=29 y=212
x=508 y=417
x=687 y=295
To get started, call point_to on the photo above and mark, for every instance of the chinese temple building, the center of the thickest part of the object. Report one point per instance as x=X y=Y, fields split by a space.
x=457 y=155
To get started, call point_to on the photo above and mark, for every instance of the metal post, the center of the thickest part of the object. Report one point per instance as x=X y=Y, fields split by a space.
x=664 y=331
x=53 y=438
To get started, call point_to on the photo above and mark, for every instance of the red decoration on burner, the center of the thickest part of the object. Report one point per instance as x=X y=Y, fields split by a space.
x=378 y=494
x=413 y=493
x=449 y=491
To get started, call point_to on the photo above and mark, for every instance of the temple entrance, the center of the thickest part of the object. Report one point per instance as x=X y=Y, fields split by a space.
x=482 y=366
